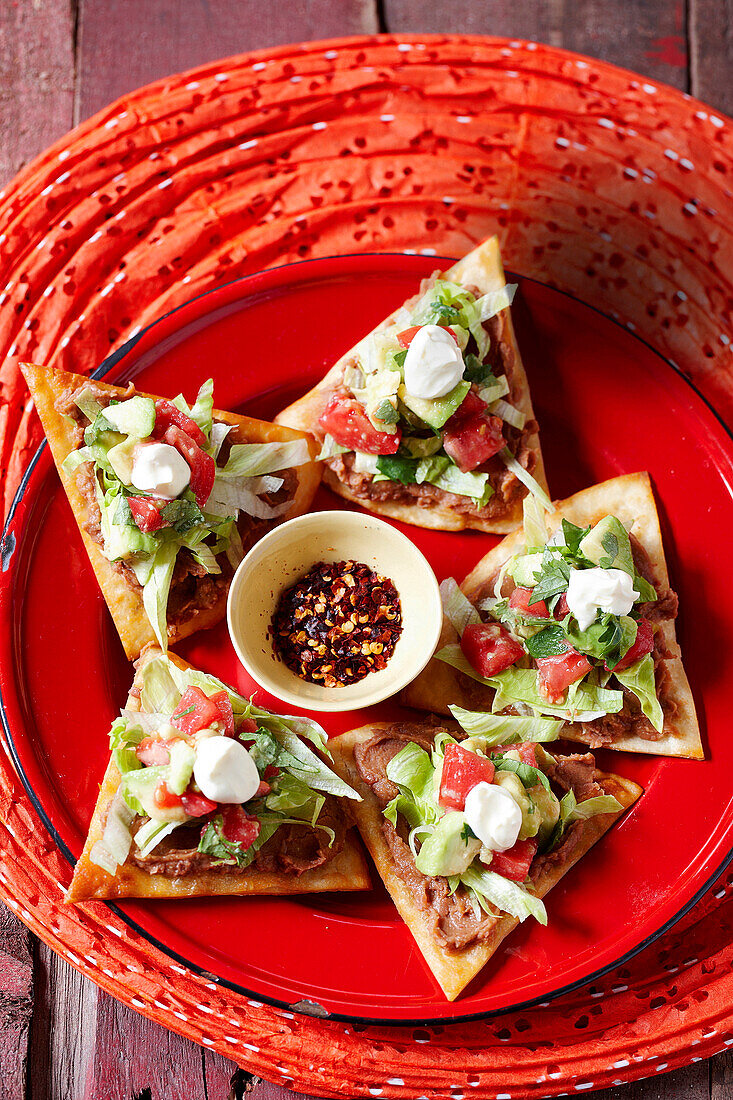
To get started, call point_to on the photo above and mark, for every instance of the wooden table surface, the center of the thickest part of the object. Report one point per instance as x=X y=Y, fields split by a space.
x=60 y=61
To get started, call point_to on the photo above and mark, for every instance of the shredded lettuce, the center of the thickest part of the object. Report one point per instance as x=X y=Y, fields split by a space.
x=493 y=302
x=520 y=686
x=457 y=608
x=508 y=413
x=507 y=896
x=534 y=524
x=445 y=475
x=413 y=772
x=202 y=410
x=150 y=834
x=113 y=848
x=526 y=478
x=640 y=679
x=421 y=448
x=330 y=447
x=571 y=810
x=491 y=388
x=497 y=729
x=156 y=588
x=253 y=459
x=219 y=432
x=230 y=495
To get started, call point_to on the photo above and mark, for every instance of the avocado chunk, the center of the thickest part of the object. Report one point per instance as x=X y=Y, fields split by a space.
x=120 y=458
x=181 y=766
x=135 y=416
x=531 y=819
x=450 y=849
x=526 y=569
x=436 y=412
x=608 y=545
x=549 y=810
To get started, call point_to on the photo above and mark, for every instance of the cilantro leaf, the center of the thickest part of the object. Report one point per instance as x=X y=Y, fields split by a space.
x=609 y=542
x=548 y=642
x=123 y=514
x=443 y=313
x=467 y=834
x=475 y=370
x=398 y=468
x=182 y=515
x=214 y=843
x=647 y=592
x=573 y=535
x=553 y=579
x=529 y=776
x=387 y=413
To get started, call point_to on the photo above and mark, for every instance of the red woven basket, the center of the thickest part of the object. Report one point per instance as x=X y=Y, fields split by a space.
x=597 y=182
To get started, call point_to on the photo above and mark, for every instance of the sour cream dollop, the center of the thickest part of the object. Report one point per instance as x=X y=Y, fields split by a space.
x=591 y=590
x=433 y=364
x=225 y=771
x=159 y=468
x=494 y=816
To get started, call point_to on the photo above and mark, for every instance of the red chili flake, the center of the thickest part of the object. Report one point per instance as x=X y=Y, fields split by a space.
x=338 y=623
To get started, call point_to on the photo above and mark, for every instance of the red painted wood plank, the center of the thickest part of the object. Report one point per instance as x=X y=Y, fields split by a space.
x=16 y=1003
x=152 y=39
x=721 y=1076
x=645 y=35
x=132 y=1055
x=711 y=52
x=36 y=79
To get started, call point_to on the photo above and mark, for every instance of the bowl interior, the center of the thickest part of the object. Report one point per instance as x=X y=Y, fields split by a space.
x=285 y=555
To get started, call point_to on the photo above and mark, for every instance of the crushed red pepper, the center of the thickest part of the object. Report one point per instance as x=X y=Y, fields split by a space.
x=337 y=624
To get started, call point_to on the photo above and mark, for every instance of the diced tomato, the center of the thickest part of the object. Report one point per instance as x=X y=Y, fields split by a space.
x=406 y=337
x=474 y=442
x=643 y=644
x=345 y=420
x=515 y=862
x=195 y=711
x=239 y=827
x=527 y=753
x=164 y=799
x=524 y=748
x=196 y=804
x=462 y=770
x=270 y=772
x=146 y=515
x=471 y=406
x=247 y=725
x=152 y=750
x=223 y=704
x=202 y=466
x=166 y=414
x=490 y=648
x=561 y=608
x=558 y=673
x=263 y=789
x=520 y=601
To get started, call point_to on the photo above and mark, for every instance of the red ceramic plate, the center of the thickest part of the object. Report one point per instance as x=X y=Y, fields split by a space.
x=607 y=404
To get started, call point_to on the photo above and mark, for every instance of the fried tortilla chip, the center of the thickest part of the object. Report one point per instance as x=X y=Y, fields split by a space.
x=454 y=969
x=481 y=269
x=630 y=499
x=123 y=594
x=346 y=871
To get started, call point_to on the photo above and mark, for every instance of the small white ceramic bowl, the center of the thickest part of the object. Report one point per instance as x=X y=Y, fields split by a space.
x=285 y=555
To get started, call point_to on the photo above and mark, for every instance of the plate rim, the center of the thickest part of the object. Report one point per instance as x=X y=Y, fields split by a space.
x=109 y=364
